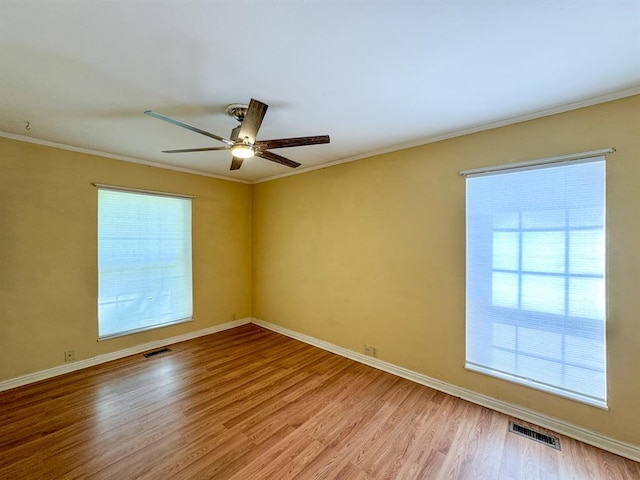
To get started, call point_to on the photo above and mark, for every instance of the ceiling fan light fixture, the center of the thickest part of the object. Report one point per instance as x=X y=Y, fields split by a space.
x=242 y=150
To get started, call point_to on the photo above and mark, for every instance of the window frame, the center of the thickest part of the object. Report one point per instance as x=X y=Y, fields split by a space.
x=597 y=324
x=187 y=244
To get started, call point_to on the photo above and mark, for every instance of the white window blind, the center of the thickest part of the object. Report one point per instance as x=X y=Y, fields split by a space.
x=144 y=261
x=536 y=277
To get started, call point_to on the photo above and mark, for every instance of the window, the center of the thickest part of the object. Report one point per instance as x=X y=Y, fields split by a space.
x=144 y=261
x=536 y=277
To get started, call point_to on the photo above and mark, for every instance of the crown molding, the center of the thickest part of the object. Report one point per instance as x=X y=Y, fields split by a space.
x=98 y=153
x=629 y=92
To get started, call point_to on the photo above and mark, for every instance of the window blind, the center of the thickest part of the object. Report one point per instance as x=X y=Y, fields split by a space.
x=536 y=277
x=144 y=261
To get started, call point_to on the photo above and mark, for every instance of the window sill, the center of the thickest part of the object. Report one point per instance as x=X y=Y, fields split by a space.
x=594 y=402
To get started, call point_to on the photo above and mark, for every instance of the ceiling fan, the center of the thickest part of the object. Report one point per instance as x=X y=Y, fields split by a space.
x=243 y=142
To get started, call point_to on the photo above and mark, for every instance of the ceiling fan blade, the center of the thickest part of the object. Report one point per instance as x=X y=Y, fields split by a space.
x=292 y=142
x=234 y=133
x=173 y=121
x=278 y=159
x=252 y=120
x=236 y=163
x=188 y=150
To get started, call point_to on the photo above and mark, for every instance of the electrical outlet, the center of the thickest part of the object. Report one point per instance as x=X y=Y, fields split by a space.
x=371 y=351
x=233 y=316
x=69 y=355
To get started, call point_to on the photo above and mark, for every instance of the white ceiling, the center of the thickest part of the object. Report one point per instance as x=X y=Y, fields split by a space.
x=375 y=75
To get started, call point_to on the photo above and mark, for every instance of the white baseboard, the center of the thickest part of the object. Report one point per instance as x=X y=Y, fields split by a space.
x=560 y=426
x=107 y=357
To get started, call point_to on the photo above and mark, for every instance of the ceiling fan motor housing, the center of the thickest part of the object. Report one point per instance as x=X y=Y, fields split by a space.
x=237 y=111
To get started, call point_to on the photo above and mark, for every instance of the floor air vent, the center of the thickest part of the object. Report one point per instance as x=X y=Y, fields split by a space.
x=156 y=352
x=553 y=442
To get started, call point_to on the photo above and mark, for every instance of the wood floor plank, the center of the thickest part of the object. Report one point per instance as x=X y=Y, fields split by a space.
x=230 y=468
x=248 y=403
x=484 y=447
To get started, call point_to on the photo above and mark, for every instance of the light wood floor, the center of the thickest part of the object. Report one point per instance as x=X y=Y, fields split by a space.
x=251 y=404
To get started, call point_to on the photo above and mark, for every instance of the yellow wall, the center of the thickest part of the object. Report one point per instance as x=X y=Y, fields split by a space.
x=373 y=252
x=48 y=256
x=366 y=252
